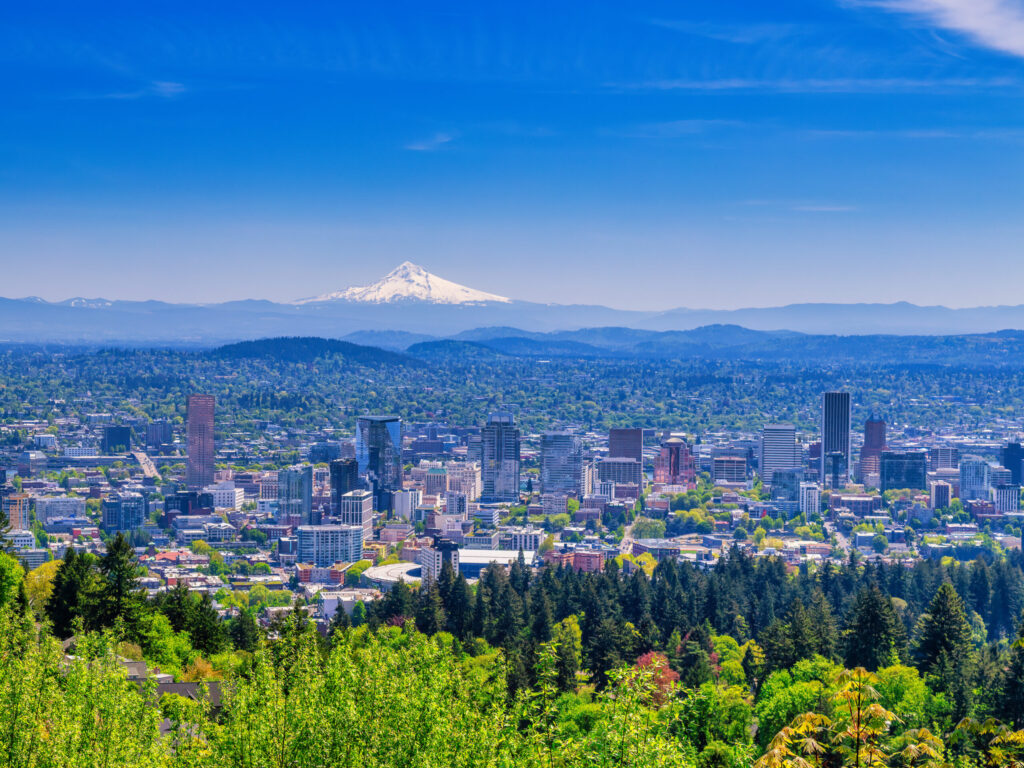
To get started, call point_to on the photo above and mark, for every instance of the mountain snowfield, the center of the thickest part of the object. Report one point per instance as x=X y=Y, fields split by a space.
x=411 y=282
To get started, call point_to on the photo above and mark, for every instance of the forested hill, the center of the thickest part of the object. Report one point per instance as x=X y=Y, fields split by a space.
x=304 y=349
x=1004 y=348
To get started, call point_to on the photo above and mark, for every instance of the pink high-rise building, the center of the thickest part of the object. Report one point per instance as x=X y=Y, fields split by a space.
x=199 y=429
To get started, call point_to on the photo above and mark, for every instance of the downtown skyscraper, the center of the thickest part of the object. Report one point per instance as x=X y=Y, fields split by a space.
x=778 y=450
x=199 y=441
x=499 y=454
x=379 y=454
x=561 y=463
x=835 y=438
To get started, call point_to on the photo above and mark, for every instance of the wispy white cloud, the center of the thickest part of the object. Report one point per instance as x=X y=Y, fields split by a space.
x=820 y=85
x=162 y=89
x=820 y=208
x=925 y=134
x=430 y=144
x=801 y=206
x=996 y=24
x=742 y=34
x=672 y=129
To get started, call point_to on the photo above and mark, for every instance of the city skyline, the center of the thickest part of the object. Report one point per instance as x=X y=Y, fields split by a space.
x=838 y=151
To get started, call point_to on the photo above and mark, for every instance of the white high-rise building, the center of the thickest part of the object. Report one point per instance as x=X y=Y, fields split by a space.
x=357 y=509
x=940 y=494
x=325 y=545
x=779 y=450
x=975 y=478
x=464 y=477
x=810 y=498
x=1007 y=498
x=405 y=503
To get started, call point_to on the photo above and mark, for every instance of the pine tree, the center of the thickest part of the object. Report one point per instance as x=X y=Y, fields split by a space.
x=245 y=633
x=1011 y=696
x=73 y=585
x=824 y=623
x=944 y=629
x=430 y=617
x=205 y=628
x=119 y=595
x=875 y=636
x=980 y=588
x=359 y=614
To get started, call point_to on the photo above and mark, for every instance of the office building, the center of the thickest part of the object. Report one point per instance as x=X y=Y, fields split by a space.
x=226 y=495
x=835 y=437
x=674 y=463
x=379 y=454
x=499 y=455
x=729 y=469
x=199 y=439
x=325 y=545
x=357 y=509
x=123 y=512
x=464 y=478
x=874 y=444
x=50 y=507
x=975 y=480
x=943 y=458
x=17 y=510
x=1012 y=457
x=940 y=495
x=621 y=470
x=626 y=444
x=810 y=499
x=405 y=503
x=295 y=495
x=903 y=469
x=158 y=434
x=1007 y=498
x=779 y=450
x=324 y=452
x=344 y=478
x=116 y=439
x=786 y=484
x=561 y=463
x=433 y=558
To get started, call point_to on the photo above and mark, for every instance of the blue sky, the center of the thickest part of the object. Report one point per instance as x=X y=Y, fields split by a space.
x=642 y=155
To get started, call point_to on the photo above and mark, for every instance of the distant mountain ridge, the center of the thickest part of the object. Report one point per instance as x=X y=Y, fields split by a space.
x=718 y=343
x=410 y=305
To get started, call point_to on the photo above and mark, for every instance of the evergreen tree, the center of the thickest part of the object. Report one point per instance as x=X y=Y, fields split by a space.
x=178 y=605
x=119 y=595
x=430 y=617
x=980 y=588
x=245 y=633
x=359 y=614
x=1011 y=695
x=824 y=624
x=205 y=628
x=70 y=599
x=944 y=629
x=875 y=636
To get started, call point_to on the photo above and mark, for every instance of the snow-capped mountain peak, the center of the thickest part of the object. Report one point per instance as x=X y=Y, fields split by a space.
x=410 y=282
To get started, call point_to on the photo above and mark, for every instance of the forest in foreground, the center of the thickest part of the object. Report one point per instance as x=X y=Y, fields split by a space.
x=852 y=665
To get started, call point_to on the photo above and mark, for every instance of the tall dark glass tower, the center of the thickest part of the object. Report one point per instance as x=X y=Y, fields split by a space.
x=379 y=454
x=344 y=478
x=835 y=435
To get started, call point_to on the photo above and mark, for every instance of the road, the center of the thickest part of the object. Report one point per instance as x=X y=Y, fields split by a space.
x=148 y=467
